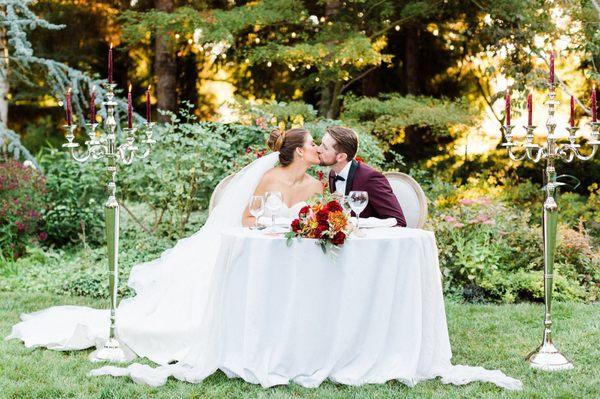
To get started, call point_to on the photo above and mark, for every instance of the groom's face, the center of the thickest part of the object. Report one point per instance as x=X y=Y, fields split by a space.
x=328 y=155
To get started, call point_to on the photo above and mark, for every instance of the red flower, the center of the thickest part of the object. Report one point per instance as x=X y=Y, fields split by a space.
x=323 y=215
x=320 y=229
x=320 y=175
x=304 y=210
x=338 y=238
x=334 y=206
x=295 y=225
x=42 y=235
x=359 y=159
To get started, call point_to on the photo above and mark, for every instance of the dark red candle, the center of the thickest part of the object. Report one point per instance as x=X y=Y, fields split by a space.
x=594 y=106
x=129 y=109
x=551 y=78
x=93 y=105
x=507 y=106
x=148 y=105
x=529 y=110
x=110 y=64
x=68 y=108
x=572 y=115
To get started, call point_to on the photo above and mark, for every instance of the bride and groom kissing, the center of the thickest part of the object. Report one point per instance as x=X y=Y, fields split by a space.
x=173 y=319
x=298 y=152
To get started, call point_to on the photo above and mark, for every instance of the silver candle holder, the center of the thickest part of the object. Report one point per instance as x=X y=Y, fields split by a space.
x=547 y=356
x=105 y=146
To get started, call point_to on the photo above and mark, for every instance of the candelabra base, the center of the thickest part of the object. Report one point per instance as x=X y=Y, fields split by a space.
x=112 y=351
x=548 y=358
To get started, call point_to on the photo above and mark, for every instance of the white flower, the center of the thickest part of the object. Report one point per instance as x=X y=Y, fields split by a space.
x=197 y=35
x=28 y=164
x=314 y=19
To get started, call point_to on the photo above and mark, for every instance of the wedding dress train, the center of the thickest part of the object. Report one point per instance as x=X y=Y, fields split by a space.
x=172 y=317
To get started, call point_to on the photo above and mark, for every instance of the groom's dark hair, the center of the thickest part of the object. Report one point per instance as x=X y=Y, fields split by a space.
x=346 y=140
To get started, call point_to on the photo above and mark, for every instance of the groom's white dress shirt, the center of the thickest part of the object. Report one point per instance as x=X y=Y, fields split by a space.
x=340 y=185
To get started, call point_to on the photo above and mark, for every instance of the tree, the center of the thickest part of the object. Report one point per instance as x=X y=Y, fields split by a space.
x=165 y=66
x=16 y=18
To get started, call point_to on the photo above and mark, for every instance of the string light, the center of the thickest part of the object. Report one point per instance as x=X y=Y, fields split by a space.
x=294 y=34
x=247 y=60
x=360 y=15
x=397 y=28
x=317 y=79
x=176 y=35
x=257 y=40
x=308 y=66
x=269 y=64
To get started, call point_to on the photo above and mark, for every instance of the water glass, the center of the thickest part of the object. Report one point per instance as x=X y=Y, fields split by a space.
x=256 y=207
x=273 y=203
x=358 y=201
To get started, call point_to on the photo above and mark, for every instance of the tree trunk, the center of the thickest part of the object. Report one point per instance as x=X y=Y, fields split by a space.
x=165 y=66
x=414 y=140
x=4 y=87
x=411 y=61
x=329 y=95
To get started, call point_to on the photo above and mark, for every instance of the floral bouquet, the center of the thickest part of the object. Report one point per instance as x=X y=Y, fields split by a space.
x=325 y=221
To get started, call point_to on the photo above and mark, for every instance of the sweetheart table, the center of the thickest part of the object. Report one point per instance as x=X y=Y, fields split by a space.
x=373 y=313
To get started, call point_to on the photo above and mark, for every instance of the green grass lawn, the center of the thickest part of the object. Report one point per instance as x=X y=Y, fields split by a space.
x=484 y=335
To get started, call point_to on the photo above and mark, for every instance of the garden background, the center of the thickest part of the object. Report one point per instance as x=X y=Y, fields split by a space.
x=422 y=82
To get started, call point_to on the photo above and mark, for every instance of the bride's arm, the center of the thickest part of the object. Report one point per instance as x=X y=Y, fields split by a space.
x=261 y=189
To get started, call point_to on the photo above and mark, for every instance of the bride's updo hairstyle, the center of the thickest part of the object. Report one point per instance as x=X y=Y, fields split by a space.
x=286 y=143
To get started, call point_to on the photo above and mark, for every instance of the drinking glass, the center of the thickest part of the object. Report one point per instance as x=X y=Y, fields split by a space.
x=358 y=201
x=273 y=203
x=256 y=208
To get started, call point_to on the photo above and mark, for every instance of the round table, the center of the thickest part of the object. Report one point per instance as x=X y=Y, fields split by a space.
x=373 y=313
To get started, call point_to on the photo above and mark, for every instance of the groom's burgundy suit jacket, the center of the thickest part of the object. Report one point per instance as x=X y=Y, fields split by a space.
x=382 y=201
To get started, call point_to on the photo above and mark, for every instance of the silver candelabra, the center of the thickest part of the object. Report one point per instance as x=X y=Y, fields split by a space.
x=547 y=356
x=106 y=146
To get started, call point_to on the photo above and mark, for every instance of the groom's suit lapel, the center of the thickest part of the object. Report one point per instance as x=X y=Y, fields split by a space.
x=350 y=179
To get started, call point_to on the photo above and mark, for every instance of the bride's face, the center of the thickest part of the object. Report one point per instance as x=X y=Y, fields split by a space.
x=309 y=151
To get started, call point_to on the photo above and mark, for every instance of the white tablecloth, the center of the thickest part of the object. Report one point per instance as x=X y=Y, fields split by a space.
x=374 y=313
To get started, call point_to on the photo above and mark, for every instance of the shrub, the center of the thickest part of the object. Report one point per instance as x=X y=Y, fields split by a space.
x=75 y=194
x=22 y=192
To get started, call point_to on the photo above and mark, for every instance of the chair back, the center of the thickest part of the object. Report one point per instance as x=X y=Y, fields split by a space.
x=215 y=197
x=411 y=197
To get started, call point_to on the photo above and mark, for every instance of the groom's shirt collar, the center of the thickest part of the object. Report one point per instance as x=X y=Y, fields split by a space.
x=344 y=172
x=340 y=186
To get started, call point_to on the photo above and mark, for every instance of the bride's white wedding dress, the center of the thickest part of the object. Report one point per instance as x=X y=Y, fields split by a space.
x=172 y=316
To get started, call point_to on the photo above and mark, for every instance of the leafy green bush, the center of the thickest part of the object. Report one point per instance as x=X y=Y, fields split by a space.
x=74 y=199
x=21 y=201
x=491 y=248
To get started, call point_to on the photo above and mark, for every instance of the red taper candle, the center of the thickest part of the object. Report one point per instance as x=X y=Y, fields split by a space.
x=507 y=106
x=551 y=78
x=529 y=110
x=572 y=115
x=148 y=105
x=594 y=106
x=68 y=108
x=129 y=109
x=93 y=105
x=110 y=64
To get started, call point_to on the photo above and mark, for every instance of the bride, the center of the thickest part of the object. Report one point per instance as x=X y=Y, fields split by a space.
x=297 y=153
x=171 y=318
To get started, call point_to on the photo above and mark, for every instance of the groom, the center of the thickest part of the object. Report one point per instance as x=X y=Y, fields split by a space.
x=338 y=149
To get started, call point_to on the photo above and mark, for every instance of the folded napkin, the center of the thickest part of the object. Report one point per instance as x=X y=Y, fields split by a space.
x=369 y=223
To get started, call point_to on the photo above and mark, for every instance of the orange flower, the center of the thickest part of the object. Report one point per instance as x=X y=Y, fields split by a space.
x=338 y=220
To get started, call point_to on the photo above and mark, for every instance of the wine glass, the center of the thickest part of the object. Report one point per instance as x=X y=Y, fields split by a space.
x=358 y=201
x=273 y=203
x=256 y=207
